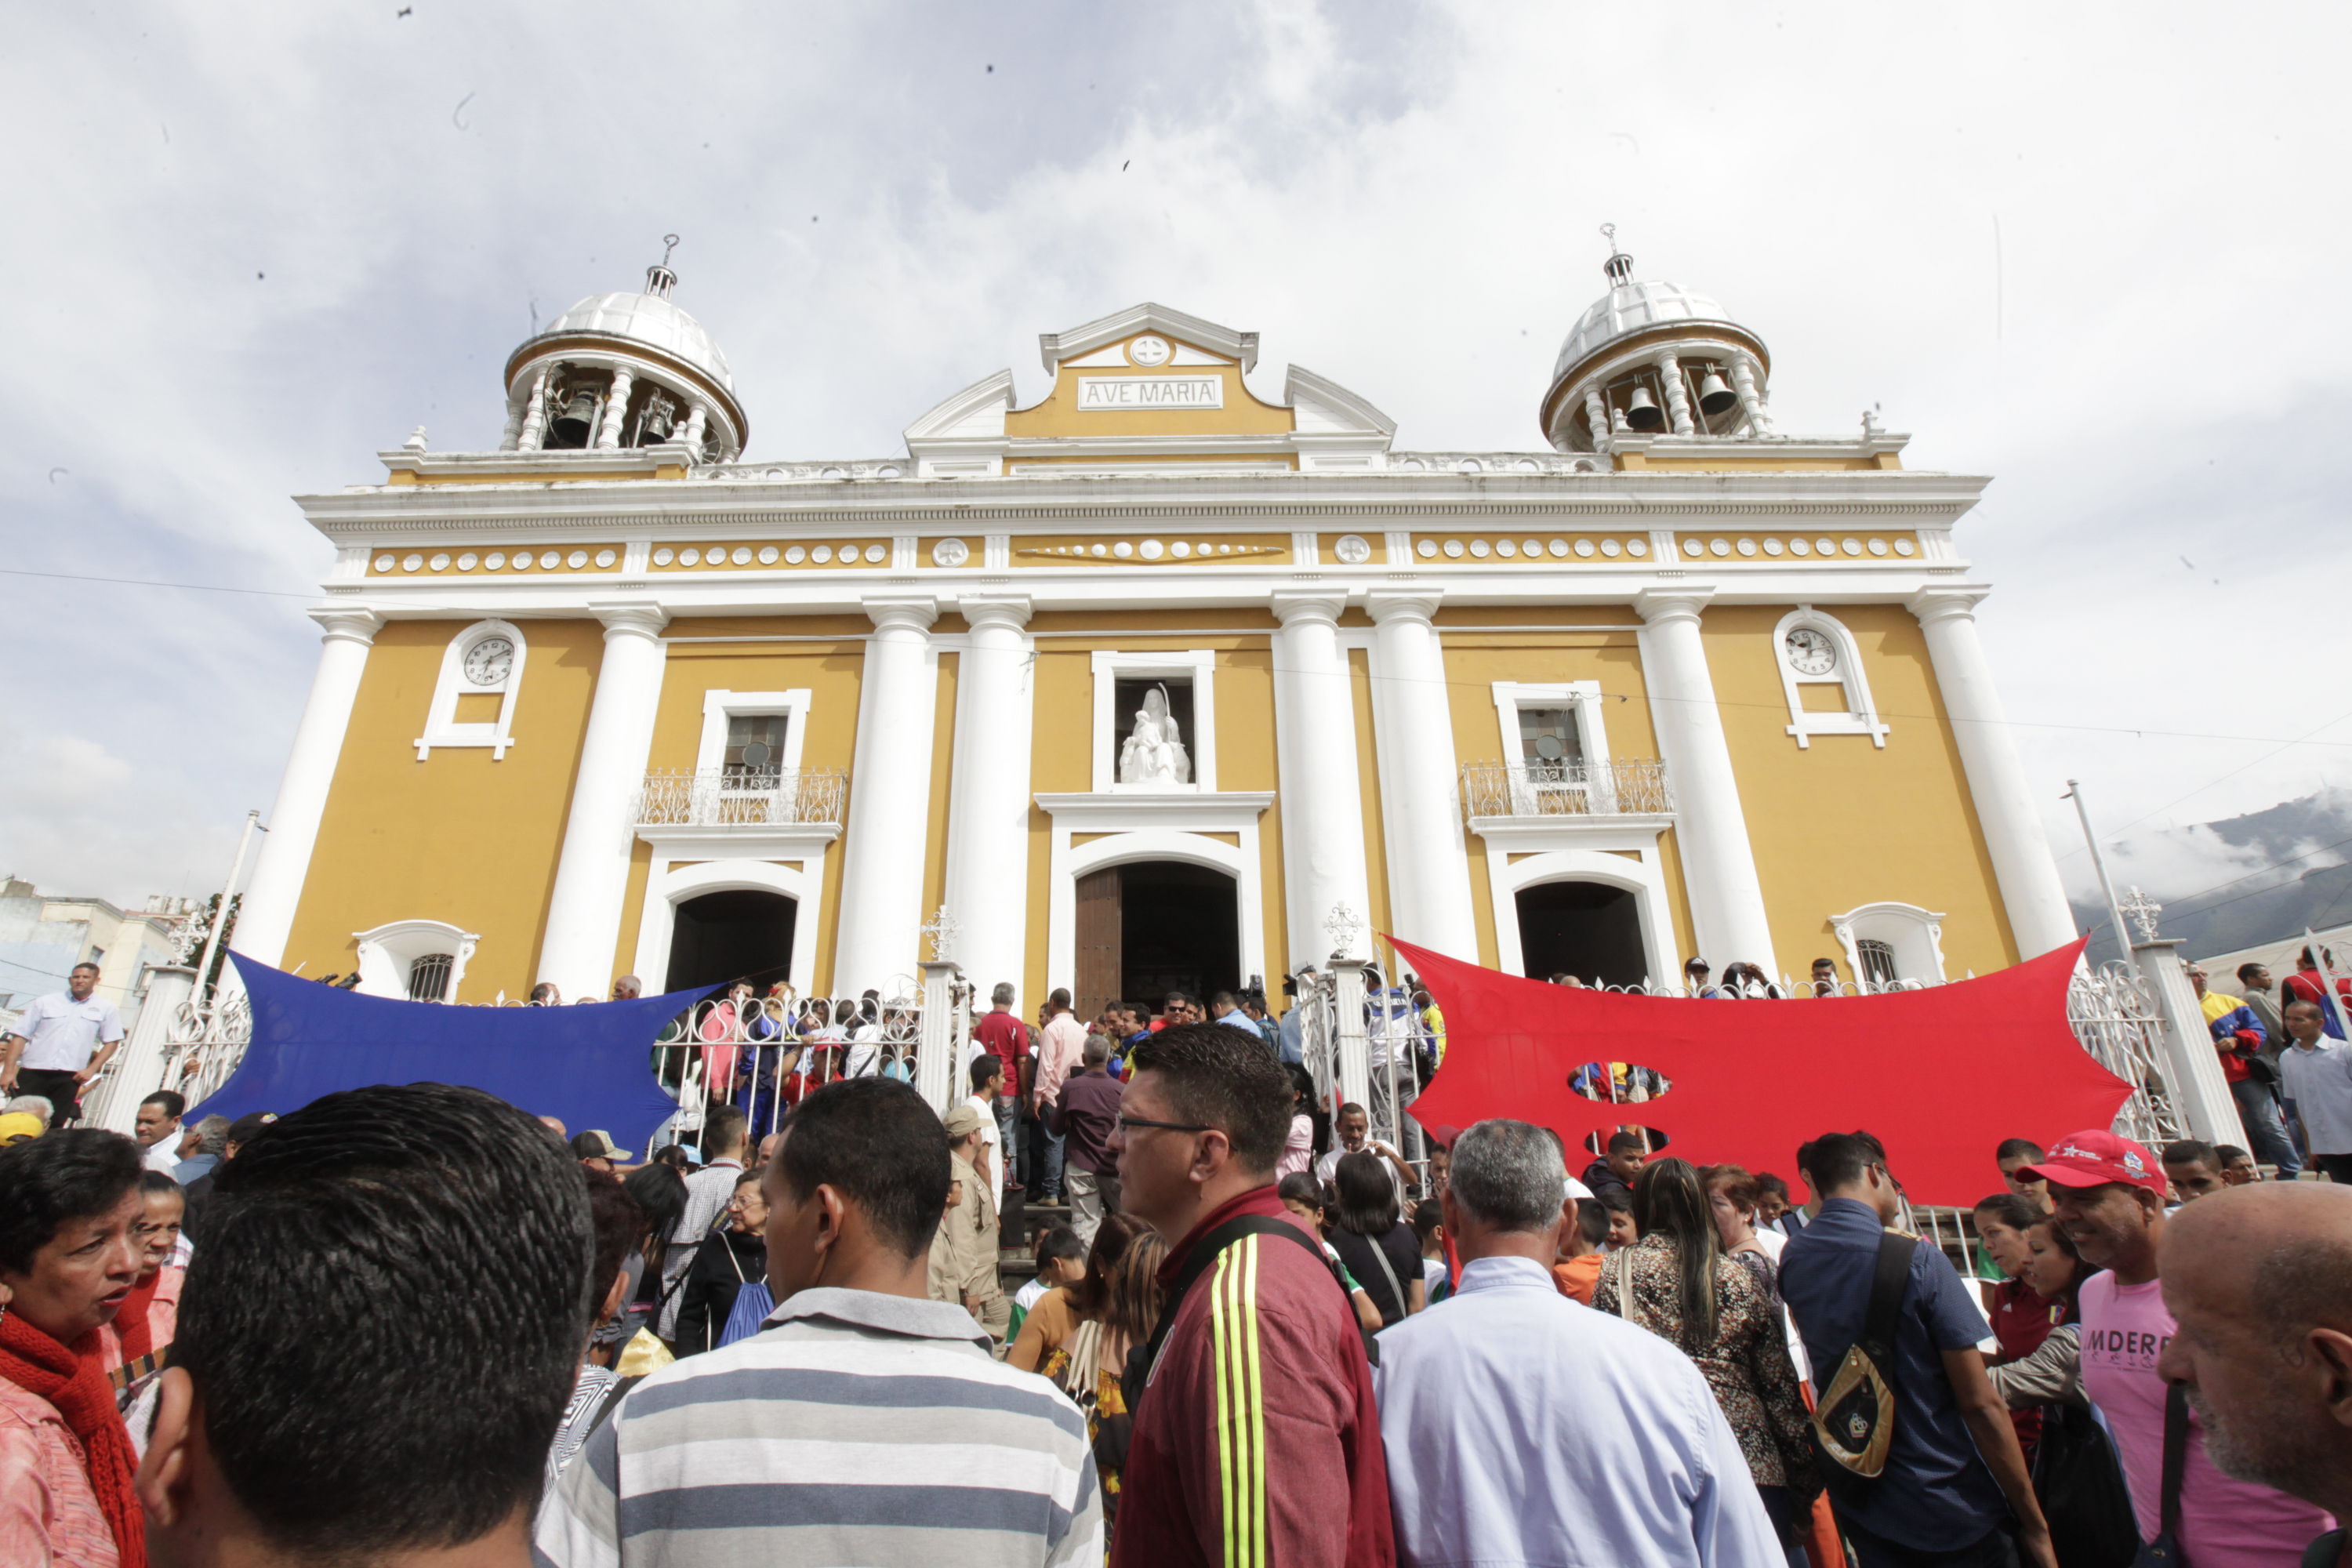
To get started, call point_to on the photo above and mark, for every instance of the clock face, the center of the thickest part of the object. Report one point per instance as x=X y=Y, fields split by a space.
x=1811 y=652
x=488 y=661
x=1149 y=350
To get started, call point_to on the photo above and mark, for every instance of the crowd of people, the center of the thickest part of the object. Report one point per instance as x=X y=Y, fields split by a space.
x=421 y=1324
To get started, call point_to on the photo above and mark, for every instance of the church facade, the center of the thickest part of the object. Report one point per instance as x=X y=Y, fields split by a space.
x=1156 y=681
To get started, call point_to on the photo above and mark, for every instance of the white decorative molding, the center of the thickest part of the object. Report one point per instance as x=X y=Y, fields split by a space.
x=718 y=706
x=787 y=860
x=1054 y=348
x=388 y=953
x=1168 y=826
x=441 y=725
x=1915 y=934
x=1859 y=717
x=1583 y=697
x=1198 y=666
x=1617 y=852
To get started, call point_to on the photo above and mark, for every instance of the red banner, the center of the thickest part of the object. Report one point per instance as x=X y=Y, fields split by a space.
x=1940 y=1075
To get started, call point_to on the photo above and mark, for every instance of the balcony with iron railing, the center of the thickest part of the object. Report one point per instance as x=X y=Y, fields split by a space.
x=742 y=797
x=1629 y=786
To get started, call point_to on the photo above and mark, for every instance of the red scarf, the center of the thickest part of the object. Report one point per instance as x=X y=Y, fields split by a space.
x=71 y=1379
x=138 y=1335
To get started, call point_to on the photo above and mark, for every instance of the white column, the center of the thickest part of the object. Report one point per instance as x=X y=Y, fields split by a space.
x=987 y=883
x=938 y=1053
x=592 y=875
x=697 y=422
x=889 y=801
x=1678 y=408
x=266 y=917
x=2193 y=1075
x=616 y=407
x=139 y=1070
x=1751 y=396
x=1413 y=737
x=531 y=434
x=1727 y=901
x=1321 y=800
x=2038 y=915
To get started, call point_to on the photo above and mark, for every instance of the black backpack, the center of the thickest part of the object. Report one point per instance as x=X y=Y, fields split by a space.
x=1853 y=1423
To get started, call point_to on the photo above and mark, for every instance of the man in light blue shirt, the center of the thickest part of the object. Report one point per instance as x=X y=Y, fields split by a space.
x=1523 y=1428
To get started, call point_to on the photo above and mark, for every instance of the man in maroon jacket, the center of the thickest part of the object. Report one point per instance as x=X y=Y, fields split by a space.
x=1256 y=1444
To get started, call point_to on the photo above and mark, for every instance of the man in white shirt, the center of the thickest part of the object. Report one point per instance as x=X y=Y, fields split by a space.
x=987 y=1073
x=2316 y=1076
x=159 y=1129
x=62 y=1042
x=726 y=1134
x=1354 y=1128
x=1523 y=1427
x=1061 y=1040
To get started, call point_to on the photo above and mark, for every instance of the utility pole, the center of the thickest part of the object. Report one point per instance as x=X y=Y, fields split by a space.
x=220 y=911
x=2099 y=861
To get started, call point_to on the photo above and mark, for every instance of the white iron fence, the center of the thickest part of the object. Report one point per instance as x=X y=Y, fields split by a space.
x=1627 y=785
x=740 y=797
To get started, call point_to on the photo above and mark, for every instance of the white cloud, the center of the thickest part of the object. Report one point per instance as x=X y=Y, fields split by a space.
x=1404 y=198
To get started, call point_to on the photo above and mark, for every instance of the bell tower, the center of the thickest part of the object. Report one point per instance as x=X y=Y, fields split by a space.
x=1654 y=359
x=625 y=371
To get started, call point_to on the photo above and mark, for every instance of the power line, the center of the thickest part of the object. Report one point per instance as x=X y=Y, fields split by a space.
x=151 y=583
x=2118 y=834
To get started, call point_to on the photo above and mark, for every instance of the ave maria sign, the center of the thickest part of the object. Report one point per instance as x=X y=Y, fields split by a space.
x=1101 y=393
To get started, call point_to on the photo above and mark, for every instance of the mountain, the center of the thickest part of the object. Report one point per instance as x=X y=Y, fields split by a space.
x=2239 y=882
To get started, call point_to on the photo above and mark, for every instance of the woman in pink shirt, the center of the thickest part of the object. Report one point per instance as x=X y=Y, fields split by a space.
x=70 y=1255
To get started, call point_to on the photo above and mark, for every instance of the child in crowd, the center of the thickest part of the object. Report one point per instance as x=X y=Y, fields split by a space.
x=1578 y=1269
x=1302 y=1195
x=1061 y=1260
x=1429 y=1230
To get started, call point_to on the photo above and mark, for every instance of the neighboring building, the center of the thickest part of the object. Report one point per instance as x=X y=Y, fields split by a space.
x=41 y=939
x=1144 y=680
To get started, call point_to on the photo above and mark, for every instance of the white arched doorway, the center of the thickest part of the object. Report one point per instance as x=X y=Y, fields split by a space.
x=1637 y=879
x=667 y=888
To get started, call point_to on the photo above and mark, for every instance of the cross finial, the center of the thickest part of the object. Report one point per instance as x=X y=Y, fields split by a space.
x=942 y=928
x=1620 y=266
x=2142 y=911
x=659 y=278
x=1341 y=926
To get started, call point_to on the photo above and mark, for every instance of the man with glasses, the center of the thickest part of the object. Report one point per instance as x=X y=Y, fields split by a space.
x=1255 y=1439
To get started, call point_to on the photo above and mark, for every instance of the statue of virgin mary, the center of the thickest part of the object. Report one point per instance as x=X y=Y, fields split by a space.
x=1153 y=752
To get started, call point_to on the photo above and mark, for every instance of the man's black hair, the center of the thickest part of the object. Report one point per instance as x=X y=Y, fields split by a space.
x=1616 y=1200
x=156 y=1182
x=2246 y=971
x=2229 y=1152
x=725 y=1127
x=2018 y=1149
x=1624 y=1142
x=1299 y=1187
x=1427 y=1216
x=174 y=1104
x=1592 y=1220
x=1061 y=1241
x=384 y=1320
x=619 y=1225
x=873 y=1141
x=986 y=1066
x=1769 y=1182
x=49 y=1180
x=2191 y=1151
x=1217 y=1076
x=1839 y=1159
x=1225 y=999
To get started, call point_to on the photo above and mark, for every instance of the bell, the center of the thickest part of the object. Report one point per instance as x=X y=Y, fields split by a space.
x=576 y=423
x=1713 y=397
x=1643 y=413
x=660 y=418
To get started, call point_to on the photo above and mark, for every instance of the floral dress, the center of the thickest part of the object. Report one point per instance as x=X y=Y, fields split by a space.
x=1747 y=1365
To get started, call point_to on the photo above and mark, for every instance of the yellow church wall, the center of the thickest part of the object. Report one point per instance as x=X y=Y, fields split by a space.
x=1842 y=822
x=459 y=836
x=935 y=824
x=1245 y=761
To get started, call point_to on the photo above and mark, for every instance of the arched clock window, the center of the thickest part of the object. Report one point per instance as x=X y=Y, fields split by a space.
x=473 y=701
x=1822 y=677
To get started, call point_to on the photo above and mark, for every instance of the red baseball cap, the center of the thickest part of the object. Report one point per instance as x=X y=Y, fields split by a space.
x=2095 y=1160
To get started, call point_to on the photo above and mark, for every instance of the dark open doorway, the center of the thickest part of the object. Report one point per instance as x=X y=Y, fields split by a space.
x=1151 y=927
x=723 y=936
x=1589 y=929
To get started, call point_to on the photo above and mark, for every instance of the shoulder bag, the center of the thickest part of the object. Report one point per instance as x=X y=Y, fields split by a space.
x=2165 y=1551
x=1854 y=1422
x=2081 y=1485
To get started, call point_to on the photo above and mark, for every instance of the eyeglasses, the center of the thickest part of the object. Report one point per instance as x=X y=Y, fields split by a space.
x=1132 y=1123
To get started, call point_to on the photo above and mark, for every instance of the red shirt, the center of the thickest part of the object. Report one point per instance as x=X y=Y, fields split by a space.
x=1282 y=1421
x=1006 y=1038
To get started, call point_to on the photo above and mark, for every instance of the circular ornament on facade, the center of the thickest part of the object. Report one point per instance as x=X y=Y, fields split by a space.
x=1151 y=549
x=1878 y=547
x=1771 y=547
x=1426 y=548
x=1353 y=549
x=1637 y=547
x=521 y=562
x=768 y=553
x=1481 y=549
x=1559 y=547
x=1201 y=549
x=1747 y=547
x=1904 y=547
x=1098 y=548
x=488 y=660
x=412 y=562
x=794 y=554
x=665 y=555
x=876 y=553
x=1531 y=548
x=950 y=553
x=1851 y=546
x=469 y=561
x=1123 y=550
x=550 y=559
x=1507 y=548
x=440 y=562
x=690 y=557
x=386 y=563
x=1811 y=652
x=1609 y=547
x=576 y=560
x=1799 y=547
x=1453 y=550
x=1825 y=546
x=1149 y=350
x=821 y=554
x=1584 y=547
x=604 y=558
x=1718 y=547
x=494 y=560
x=741 y=556
x=1180 y=549
x=1222 y=549
x=1693 y=547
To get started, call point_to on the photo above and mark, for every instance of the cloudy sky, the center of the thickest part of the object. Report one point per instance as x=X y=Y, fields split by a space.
x=2096 y=252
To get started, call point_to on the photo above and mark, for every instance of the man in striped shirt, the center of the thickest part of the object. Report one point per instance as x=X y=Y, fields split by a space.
x=865 y=1423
